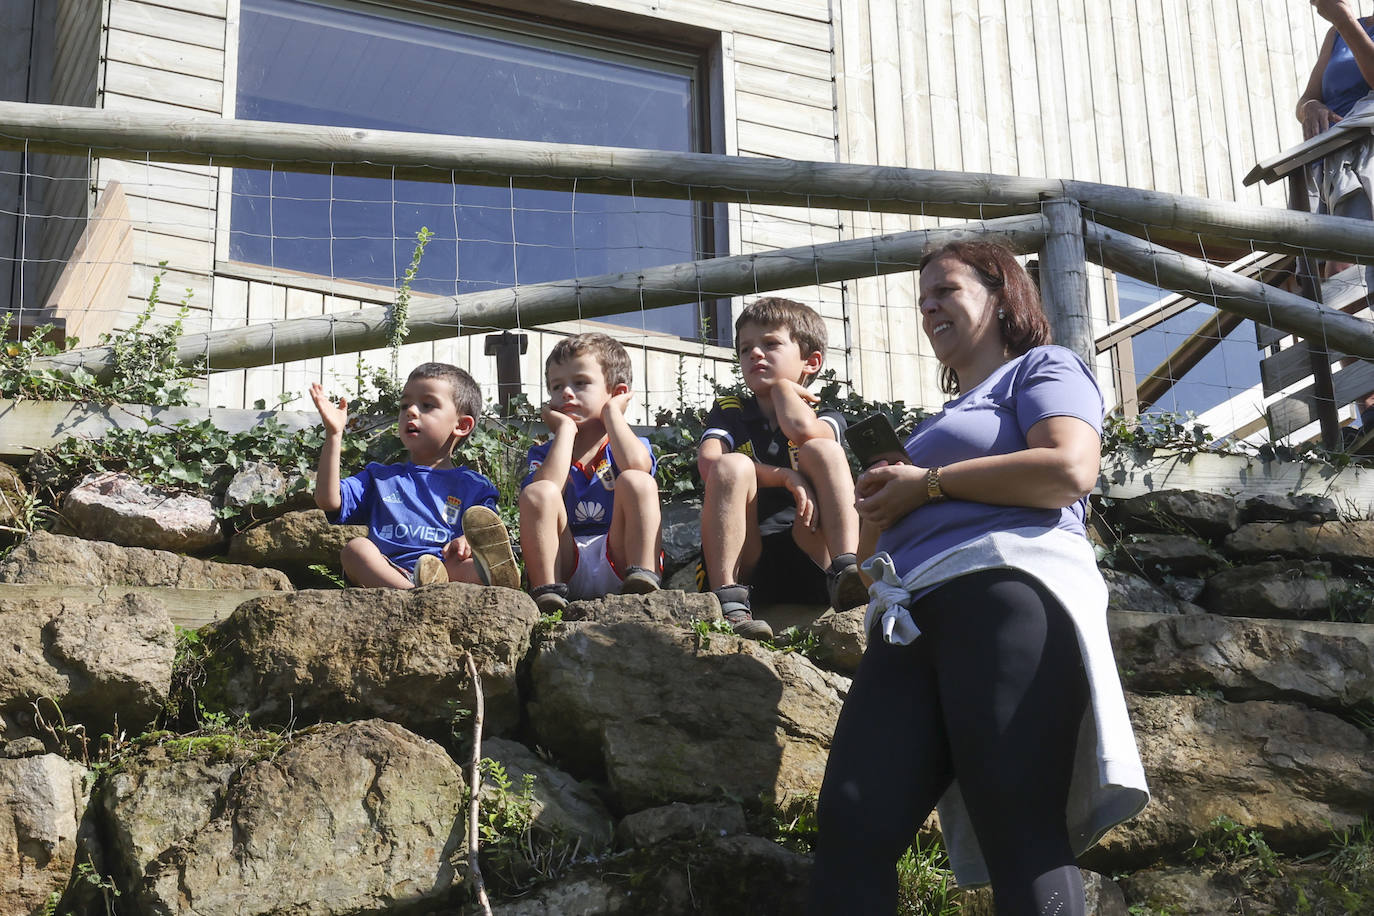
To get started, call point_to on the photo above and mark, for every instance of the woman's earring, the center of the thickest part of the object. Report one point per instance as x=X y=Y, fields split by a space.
x=1001 y=313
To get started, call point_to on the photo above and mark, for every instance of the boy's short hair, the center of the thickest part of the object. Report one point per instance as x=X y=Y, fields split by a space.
x=467 y=396
x=610 y=355
x=802 y=322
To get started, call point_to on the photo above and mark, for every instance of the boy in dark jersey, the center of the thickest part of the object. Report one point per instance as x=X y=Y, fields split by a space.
x=427 y=520
x=778 y=517
x=589 y=513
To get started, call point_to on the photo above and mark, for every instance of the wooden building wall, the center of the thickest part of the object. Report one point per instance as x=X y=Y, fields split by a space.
x=1175 y=95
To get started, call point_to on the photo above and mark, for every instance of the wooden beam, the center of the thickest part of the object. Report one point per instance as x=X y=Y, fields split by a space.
x=656 y=173
x=1064 y=279
x=1241 y=295
x=567 y=300
x=1345 y=131
x=187 y=607
x=1292 y=413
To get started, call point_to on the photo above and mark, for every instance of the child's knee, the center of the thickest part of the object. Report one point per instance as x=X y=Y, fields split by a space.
x=540 y=496
x=821 y=453
x=731 y=470
x=358 y=549
x=639 y=485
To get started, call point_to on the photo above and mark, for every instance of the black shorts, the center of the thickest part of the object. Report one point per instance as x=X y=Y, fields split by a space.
x=783 y=575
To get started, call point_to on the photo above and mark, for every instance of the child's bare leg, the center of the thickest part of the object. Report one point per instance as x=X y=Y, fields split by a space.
x=823 y=463
x=730 y=544
x=636 y=532
x=364 y=565
x=544 y=537
x=462 y=570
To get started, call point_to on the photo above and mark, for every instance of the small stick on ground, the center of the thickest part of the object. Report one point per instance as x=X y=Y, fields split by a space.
x=475 y=780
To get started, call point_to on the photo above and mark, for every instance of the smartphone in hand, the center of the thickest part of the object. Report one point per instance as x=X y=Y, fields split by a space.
x=873 y=439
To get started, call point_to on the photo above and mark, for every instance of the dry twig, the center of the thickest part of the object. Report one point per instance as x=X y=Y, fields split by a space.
x=475 y=780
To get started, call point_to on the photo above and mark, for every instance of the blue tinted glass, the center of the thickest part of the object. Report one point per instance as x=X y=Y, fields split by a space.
x=1229 y=369
x=309 y=63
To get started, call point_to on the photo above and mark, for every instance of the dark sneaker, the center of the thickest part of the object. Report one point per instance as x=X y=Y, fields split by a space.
x=551 y=599
x=490 y=543
x=846 y=587
x=734 y=607
x=430 y=570
x=640 y=581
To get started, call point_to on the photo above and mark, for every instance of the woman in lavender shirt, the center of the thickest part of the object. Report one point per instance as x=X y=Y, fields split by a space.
x=988 y=686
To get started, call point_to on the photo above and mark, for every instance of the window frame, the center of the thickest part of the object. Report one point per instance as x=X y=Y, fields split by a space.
x=604 y=34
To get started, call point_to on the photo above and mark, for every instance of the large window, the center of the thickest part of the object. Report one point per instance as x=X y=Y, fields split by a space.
x=362 y=64
x=1229 y=370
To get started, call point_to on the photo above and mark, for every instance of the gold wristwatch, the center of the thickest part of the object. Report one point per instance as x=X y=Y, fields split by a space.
x=933 y=492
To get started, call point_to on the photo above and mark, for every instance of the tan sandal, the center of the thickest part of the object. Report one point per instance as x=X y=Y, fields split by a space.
x=491 y=550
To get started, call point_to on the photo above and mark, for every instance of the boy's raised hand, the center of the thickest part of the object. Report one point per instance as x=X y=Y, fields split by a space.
x=618 y=402
x=334 y=417
x=556 y=420
x=795 y=387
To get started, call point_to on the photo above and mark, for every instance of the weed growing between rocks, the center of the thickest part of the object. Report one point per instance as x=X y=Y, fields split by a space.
x=1228 y=844
x=792 y=824
x=1355 y=602
x=86 y=882
x=515 y=852
x=72 y=742
x=925 y=882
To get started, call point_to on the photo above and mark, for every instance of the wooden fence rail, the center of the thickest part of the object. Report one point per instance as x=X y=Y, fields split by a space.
x=656 y=173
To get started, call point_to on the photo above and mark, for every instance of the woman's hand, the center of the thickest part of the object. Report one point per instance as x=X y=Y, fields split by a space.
x=1335 y=11
x=887 y=493
x=1316 y=118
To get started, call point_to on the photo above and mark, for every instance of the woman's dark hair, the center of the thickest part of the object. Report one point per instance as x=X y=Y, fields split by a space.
x=1024 y=325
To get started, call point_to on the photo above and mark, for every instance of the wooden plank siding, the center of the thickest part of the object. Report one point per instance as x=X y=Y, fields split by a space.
x=75 y=74
x=1175 y=95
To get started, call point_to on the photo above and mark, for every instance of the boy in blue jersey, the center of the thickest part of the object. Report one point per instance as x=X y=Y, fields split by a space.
x=778 y=515
x=589 y=513
x=427 y=520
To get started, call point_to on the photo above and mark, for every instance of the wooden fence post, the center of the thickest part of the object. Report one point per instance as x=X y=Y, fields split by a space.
x=1064 y=278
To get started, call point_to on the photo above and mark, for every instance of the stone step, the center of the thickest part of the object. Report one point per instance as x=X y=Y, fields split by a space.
x=188 y=607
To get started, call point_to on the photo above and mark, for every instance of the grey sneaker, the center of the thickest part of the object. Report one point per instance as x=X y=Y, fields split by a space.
x=490 y=543
x=640 y=581
x=734 y=607
x=846 y=587
x=430 y=570
x=550 y=599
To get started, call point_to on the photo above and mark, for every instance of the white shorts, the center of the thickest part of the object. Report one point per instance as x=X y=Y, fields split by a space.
x=594 y=576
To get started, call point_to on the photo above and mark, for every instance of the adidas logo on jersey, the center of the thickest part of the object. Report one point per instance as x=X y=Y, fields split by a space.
x=589 y=511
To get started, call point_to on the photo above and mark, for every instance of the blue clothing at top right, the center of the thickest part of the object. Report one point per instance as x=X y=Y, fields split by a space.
x=993 y=419
x=1342 y=83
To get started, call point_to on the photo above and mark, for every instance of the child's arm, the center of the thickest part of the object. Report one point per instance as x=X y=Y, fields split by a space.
x=630 y=454
x=334 y=417
x=558 y=462
x=768 y=475
x=795 y=404
x=708 y=453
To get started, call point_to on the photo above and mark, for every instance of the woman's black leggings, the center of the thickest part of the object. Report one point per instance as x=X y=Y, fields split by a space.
x=992 y=693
